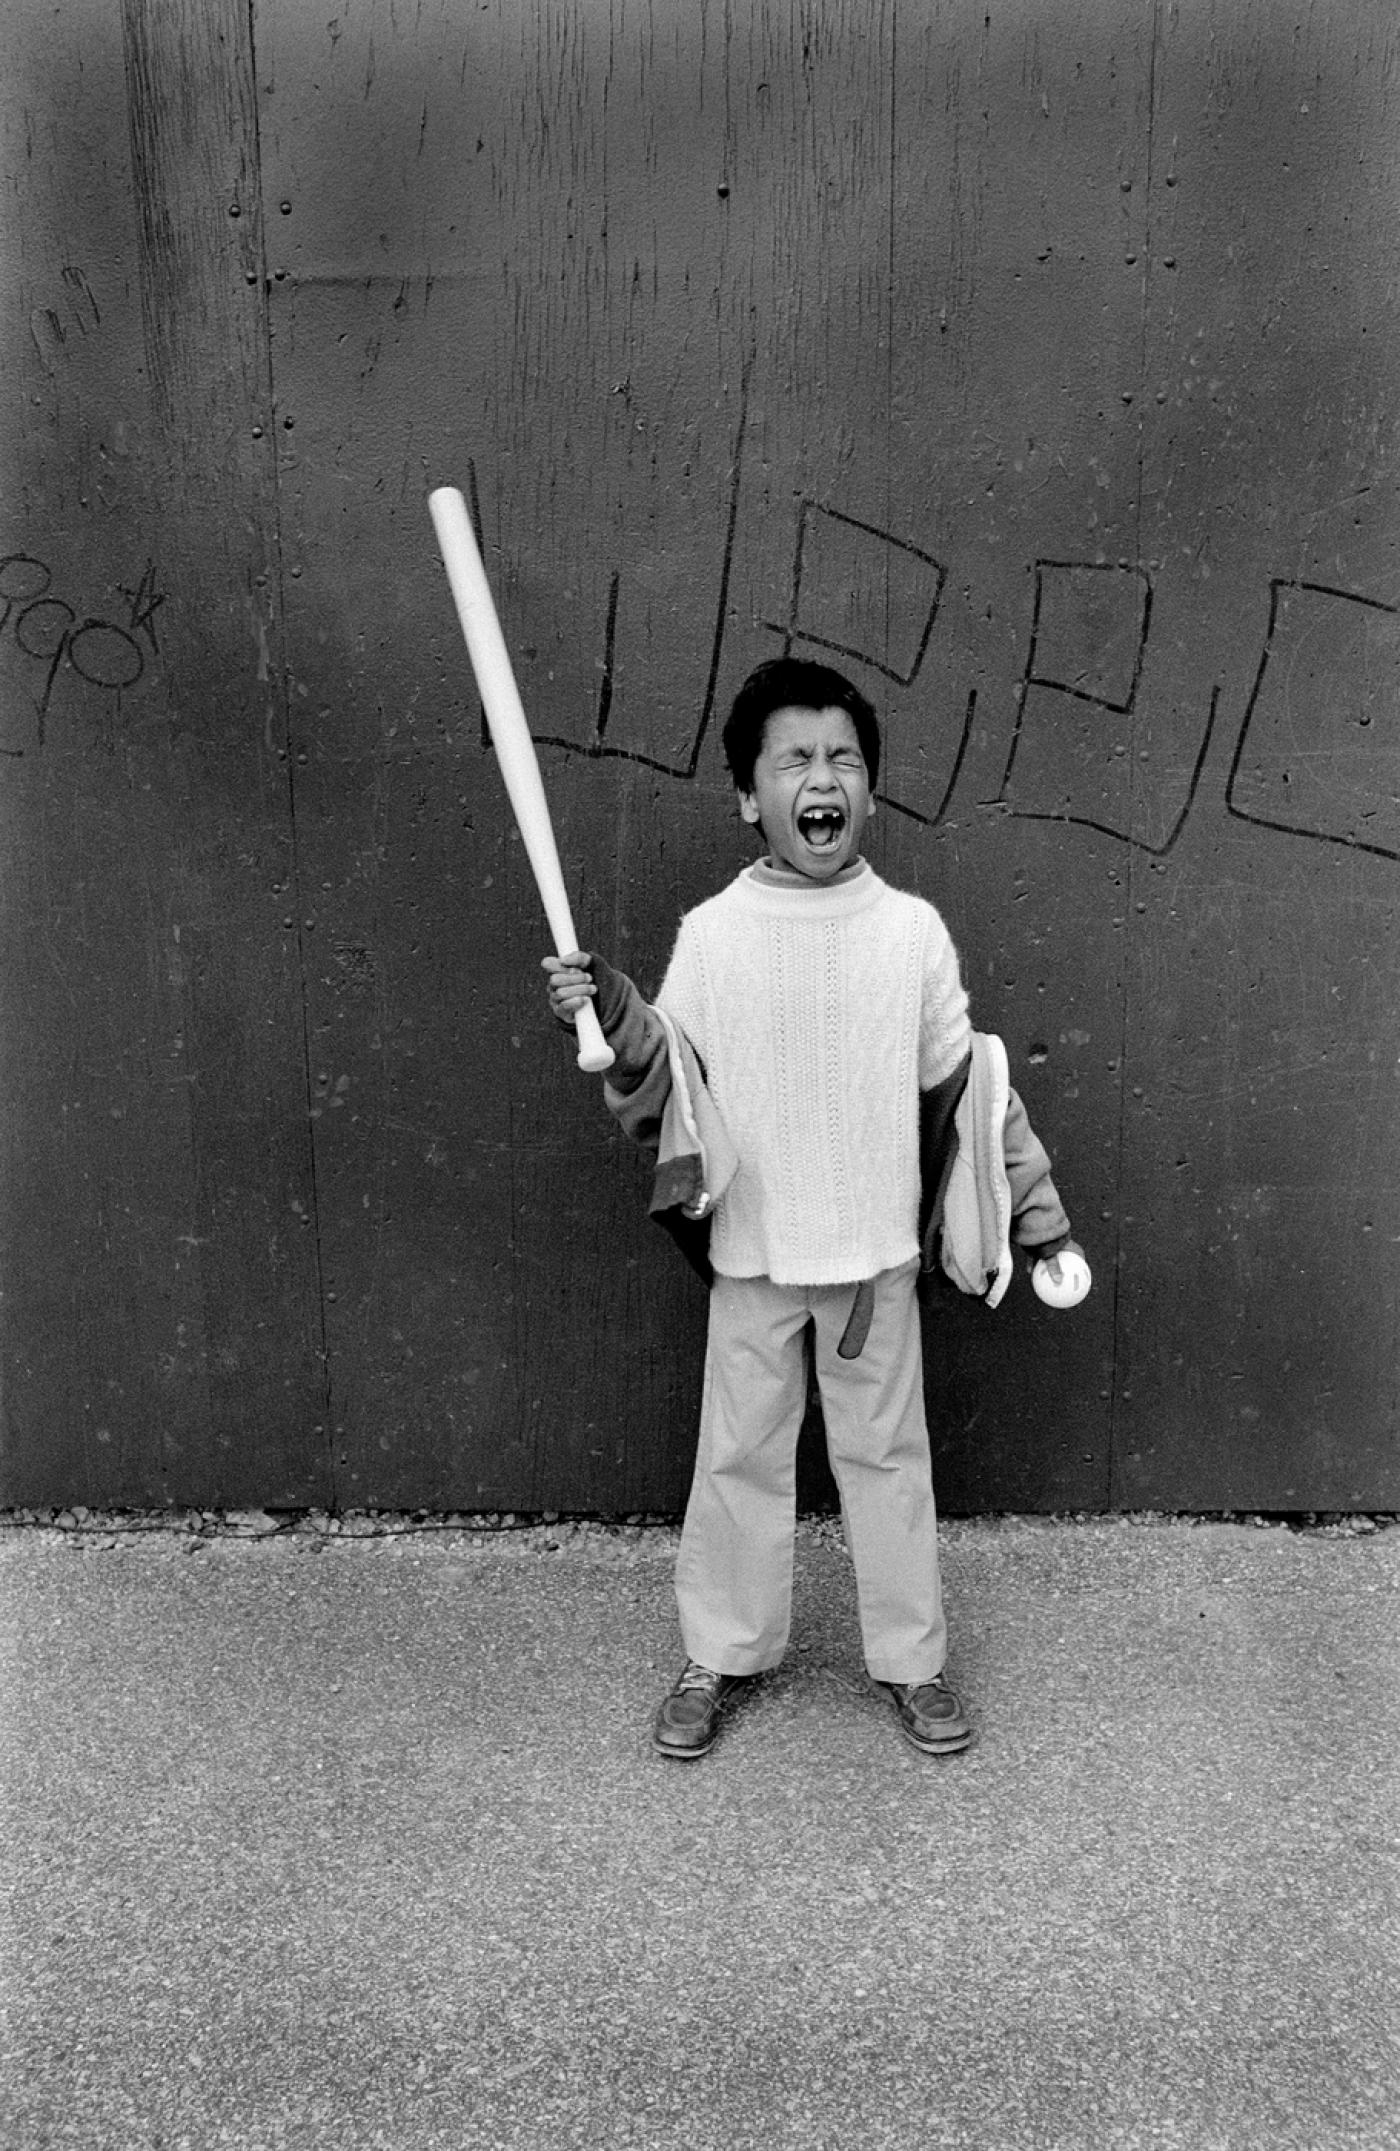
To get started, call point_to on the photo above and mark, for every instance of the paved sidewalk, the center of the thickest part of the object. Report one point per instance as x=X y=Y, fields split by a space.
x=361 y=1843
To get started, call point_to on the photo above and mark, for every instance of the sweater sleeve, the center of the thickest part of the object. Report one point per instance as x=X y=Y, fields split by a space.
x=945 y=1030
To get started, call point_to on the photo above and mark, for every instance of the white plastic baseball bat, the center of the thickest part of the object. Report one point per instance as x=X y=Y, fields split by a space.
x=510 y=734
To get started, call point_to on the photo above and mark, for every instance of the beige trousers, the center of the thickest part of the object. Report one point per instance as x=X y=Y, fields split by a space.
x=734 y=1569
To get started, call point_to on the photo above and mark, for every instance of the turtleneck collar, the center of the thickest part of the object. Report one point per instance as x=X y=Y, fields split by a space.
x=767 y=875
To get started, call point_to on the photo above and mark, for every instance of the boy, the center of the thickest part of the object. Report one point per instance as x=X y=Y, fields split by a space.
x=823 y=1021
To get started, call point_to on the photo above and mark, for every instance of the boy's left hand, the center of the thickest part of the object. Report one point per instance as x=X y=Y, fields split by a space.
x=1063 y=1278
x=1052 y=1262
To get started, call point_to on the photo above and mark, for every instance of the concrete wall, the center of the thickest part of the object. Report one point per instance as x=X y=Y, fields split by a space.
x=1040 y=358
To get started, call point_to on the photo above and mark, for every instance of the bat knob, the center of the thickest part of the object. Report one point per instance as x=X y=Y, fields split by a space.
x=594 y=1053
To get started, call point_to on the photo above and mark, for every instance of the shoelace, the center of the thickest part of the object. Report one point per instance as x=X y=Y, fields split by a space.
x=697 y=1676
x=905 y=1688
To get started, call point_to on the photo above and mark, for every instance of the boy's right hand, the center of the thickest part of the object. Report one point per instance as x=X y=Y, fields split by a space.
x=570 y=983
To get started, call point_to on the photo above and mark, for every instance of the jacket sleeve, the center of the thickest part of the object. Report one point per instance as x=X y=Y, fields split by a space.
x=636 y=1092
x=637 y=1088
x=1039 y=1223
x=639 y=1082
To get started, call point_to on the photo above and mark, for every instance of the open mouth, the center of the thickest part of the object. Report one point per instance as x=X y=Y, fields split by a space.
x=821 y=827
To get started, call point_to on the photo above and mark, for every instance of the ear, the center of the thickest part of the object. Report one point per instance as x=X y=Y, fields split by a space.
x=748 y=805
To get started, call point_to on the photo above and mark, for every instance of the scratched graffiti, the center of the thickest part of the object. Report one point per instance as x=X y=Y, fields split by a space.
x=1090 y=624
x=1314 y=756
x=54 y=636
x=1315 y=752
x=599 y=747
x=858 y=590
x=1309 y=761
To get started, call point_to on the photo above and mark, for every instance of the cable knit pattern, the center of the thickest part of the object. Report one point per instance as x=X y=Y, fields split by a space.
x=820 y=1011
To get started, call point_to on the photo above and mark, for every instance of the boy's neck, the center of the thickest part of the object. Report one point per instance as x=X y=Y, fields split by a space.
x=787 y=877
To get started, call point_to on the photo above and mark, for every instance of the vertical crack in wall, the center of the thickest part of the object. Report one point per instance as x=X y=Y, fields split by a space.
x=890 y=309
x=190 y=84
x=1133 y=864
x=280 y=685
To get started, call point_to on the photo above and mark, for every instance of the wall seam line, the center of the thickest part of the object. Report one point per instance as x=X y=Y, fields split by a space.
x=1113 y=1488
x=321 y=1344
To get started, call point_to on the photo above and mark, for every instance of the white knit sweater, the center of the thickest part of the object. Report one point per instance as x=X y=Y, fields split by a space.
x=820 y=1010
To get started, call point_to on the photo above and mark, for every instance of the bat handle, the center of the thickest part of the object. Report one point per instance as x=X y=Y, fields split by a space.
x=594 y=1052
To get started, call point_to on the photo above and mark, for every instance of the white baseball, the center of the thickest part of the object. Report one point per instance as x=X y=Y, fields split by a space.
x=1075 y=1280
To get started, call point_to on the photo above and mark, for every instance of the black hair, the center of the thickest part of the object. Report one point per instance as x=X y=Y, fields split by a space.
x=794 y=683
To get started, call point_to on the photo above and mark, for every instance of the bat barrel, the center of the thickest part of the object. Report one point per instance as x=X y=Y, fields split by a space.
x=510 y=735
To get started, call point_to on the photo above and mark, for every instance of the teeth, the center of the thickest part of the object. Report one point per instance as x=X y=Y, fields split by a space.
x=821 y=825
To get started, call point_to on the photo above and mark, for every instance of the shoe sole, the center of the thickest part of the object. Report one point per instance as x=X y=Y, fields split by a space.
x=956 y=1746
x=681 y=1755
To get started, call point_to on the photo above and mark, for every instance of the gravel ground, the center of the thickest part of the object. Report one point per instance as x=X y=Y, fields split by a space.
x=347 y=1832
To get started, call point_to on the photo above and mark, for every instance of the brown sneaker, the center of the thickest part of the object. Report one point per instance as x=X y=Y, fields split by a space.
x=688 y=1720
x=930 y=1715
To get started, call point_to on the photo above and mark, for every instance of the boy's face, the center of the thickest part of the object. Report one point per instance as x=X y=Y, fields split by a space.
x=811 y=792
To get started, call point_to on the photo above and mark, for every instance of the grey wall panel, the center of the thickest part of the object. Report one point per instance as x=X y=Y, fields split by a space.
x=1036 y=362
x=1257 y=1336
x=162 y=1320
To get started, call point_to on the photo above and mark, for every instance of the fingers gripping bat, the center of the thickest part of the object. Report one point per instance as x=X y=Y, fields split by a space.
x=510 y=734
